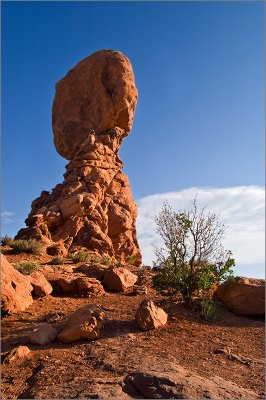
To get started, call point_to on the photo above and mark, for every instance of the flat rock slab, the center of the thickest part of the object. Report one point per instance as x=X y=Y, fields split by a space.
x=184 y=384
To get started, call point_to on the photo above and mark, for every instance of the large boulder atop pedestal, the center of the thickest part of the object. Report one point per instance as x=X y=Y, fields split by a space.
x=93 y=112
x=99 y=93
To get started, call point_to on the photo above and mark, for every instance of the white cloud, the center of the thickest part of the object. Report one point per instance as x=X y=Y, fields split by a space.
x=242 y=208
x=6 y=217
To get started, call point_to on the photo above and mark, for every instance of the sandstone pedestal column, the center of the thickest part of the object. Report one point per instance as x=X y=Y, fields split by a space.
x=93 y=112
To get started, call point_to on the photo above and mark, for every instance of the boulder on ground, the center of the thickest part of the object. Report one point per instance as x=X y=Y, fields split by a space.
x=19 y=353
x=57 y=249
x=243 y=296
x=84 y=323
x=66 y=285
x=87 y=287
x=44 y=334
x=119 y=279
x=181 y=383
x=16 y=289
x=41 y=287
x=94 y=271
x=149 y=316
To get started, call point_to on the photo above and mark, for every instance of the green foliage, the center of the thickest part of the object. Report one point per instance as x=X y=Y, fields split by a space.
x=56 y=260
x=105 y=259
x=80 y=256
x=208 y=310
x=26 y=267
x=6 y=240
x=193 y=258
x=130 y=260
x=31 y=246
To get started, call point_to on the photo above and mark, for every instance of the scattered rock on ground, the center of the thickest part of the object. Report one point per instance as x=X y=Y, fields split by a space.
x=88 y=287
x=44 y=334
x=16 y=289
x=149 y=316
x=19 y=353
x=119 y=279
x=57 y=249
x=243 y=296
x=94 y=271
x=41 y=287
x=84 y=323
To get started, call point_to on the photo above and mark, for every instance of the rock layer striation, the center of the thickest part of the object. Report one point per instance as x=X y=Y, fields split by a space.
x=93 y=112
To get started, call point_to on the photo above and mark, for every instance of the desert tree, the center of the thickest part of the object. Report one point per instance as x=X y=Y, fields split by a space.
x=193 y=257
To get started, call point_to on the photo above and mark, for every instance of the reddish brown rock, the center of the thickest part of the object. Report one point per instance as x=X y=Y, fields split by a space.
x=57 y=249
x=44 y=334
x=94 y=271
x=119 y=279
x=41 y=287
x=149 y=316
x=243 y=296
x=84 y=323
x=17 y=354
x=88 y=287
x=15 y=287
x=99 y=93
x=93 y=111
x=182 y=383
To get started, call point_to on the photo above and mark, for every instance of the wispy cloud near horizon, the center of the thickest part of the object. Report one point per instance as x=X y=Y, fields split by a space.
x=7 y=217
x=241 y=207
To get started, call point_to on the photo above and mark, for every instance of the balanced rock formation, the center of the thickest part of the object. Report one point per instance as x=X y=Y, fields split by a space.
x=93 y=112
x=16 y=289
x=243 y=296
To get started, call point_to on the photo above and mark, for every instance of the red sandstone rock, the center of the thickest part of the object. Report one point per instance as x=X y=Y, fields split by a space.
x=243 y=296
x=44 y=334
x=41 y=287
x=149 y=316
x=84 y=323
x=119 y=279
x=87 y=287
x=93 y=111
x=99 y=93
x=16 y=289
x=57 y=249
x=17 y=354
x=177 y=382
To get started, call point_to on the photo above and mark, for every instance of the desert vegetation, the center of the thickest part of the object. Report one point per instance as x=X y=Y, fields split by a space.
x=193 y=258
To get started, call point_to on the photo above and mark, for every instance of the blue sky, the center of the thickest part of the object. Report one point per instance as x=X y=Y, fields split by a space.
x=199 y=70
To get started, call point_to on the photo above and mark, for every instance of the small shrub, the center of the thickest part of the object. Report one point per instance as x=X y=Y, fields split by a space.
x=6 y=240
x=31 y=246
x=130 y=260
x=26 y=267
x=106 y=260
x=80 y=256
x=57 y=260
x=208 y=309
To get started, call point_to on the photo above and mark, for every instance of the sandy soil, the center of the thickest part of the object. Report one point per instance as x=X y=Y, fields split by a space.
x=97 y=369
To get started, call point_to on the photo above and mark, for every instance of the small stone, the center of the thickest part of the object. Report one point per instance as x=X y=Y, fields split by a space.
x=149 y=316
x=16 y=354
x=44 y=334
